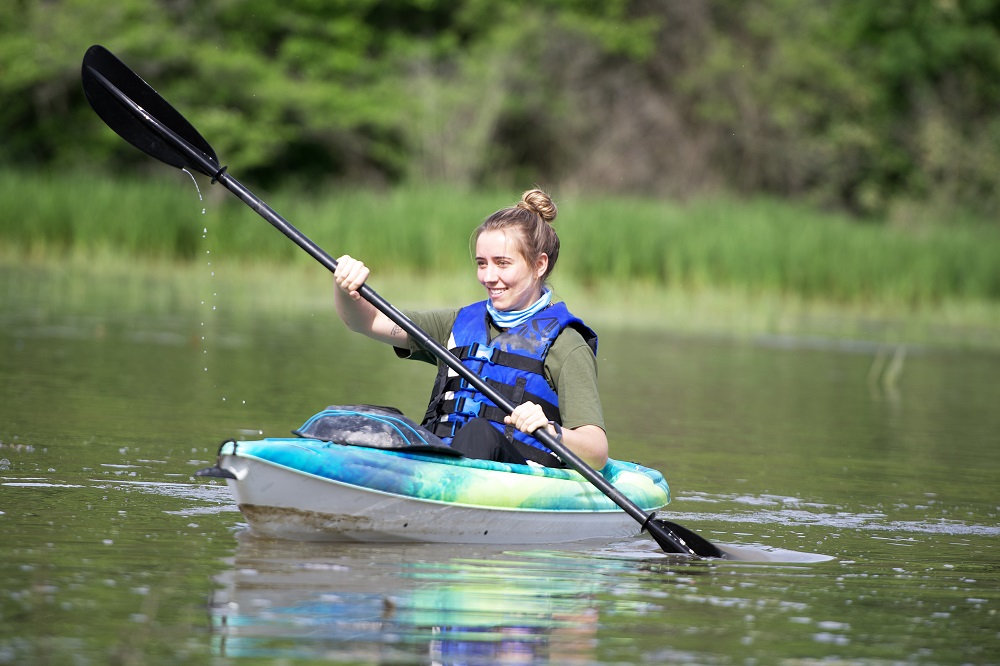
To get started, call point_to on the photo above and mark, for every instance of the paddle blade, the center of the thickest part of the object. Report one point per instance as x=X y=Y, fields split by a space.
x=135 y=111
x=692 y=542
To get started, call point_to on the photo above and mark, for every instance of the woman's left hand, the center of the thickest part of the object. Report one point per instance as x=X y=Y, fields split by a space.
x=589 y=442
x=528 y=417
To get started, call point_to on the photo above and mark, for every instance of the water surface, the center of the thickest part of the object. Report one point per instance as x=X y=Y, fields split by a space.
x=113 y=552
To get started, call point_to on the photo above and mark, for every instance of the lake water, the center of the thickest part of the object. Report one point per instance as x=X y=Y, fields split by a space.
x=111 y=551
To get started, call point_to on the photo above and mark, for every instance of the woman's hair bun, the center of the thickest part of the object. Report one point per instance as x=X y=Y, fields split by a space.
x=539 y=202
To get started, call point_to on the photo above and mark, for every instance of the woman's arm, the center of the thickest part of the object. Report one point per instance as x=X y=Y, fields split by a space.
x=589 y=442
x=573 y=368
x=358 y=314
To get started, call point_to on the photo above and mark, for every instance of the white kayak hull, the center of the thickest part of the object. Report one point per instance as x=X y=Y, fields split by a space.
x=283 y=503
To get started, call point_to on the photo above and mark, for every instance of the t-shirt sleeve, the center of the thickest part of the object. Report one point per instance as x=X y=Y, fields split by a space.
x=573 y=369
x=435 y=323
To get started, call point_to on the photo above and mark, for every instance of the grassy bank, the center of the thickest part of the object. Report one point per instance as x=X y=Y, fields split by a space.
x=84 y=284
x=752 y=266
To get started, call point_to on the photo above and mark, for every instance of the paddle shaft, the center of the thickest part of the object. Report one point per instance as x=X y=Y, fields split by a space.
x=206 y=164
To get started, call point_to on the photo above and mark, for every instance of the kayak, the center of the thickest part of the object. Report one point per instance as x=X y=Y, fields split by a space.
x=362 y=473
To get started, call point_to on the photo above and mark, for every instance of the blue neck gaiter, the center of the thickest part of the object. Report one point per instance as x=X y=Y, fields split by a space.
x=517 y=317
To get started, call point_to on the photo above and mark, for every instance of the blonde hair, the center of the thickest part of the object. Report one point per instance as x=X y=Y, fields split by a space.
x=531 y=221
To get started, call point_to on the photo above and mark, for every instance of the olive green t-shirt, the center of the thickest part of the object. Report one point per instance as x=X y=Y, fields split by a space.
x=570 y=366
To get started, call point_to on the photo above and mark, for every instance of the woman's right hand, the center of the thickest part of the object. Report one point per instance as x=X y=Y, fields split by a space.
x=350 y=275
x=360 y=315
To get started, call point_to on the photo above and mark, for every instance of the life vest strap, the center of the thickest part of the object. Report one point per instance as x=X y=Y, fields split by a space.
x=474 y=408
x=512 y=393
x=494 y=356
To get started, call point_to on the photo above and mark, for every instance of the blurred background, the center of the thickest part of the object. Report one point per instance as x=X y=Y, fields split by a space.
x=845 y=151
x=782 y=216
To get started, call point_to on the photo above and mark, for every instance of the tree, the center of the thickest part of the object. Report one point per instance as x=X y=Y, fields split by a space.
x=881 y=107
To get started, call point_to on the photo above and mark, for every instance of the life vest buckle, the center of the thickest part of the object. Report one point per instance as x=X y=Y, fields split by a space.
x=481 y=352
x=469 y=407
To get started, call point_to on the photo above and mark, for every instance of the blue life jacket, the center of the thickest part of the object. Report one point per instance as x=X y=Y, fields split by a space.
x=513 y=364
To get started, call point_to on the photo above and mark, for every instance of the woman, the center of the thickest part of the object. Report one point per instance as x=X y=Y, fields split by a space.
x=533 y=351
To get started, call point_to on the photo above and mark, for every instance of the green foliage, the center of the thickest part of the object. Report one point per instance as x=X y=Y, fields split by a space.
x=863 y=105
x=882 y=108
x=759 y=247
x=936 y=69
x=764 y=246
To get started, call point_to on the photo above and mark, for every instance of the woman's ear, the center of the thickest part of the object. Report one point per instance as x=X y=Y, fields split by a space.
x=541 y=265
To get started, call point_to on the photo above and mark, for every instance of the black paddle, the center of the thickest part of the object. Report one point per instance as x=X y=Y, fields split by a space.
x=139 y=115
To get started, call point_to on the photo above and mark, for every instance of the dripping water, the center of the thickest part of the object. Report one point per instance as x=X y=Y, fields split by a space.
x=211 y=305
x=208 y=252
x=196 y=187
x=204 y=235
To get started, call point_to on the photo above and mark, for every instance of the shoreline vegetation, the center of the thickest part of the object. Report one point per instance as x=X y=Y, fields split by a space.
x=717 y=267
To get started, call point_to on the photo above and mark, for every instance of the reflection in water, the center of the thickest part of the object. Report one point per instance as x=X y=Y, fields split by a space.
x=448 y=604
x=453 y=605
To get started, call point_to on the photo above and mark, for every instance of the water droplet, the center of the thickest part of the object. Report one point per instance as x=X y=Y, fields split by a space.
x=196 y=187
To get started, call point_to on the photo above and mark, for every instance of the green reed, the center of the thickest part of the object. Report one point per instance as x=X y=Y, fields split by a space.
x=770 y=246
x=756 y=246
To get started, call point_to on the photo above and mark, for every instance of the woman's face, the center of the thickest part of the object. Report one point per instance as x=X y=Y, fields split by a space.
x=511 y=283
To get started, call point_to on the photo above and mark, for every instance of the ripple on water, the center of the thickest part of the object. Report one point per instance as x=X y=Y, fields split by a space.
x=794 y=512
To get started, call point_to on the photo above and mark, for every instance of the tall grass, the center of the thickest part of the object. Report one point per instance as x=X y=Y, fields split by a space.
x=758 y=246
x=766 y=245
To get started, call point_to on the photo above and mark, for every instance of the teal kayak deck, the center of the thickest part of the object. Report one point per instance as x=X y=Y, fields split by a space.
x=460 y=481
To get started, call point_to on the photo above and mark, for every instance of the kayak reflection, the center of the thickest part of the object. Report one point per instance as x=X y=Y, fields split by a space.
x=447 y=604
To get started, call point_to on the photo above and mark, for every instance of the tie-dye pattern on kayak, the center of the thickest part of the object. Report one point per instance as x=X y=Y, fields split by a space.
x=458 y=480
